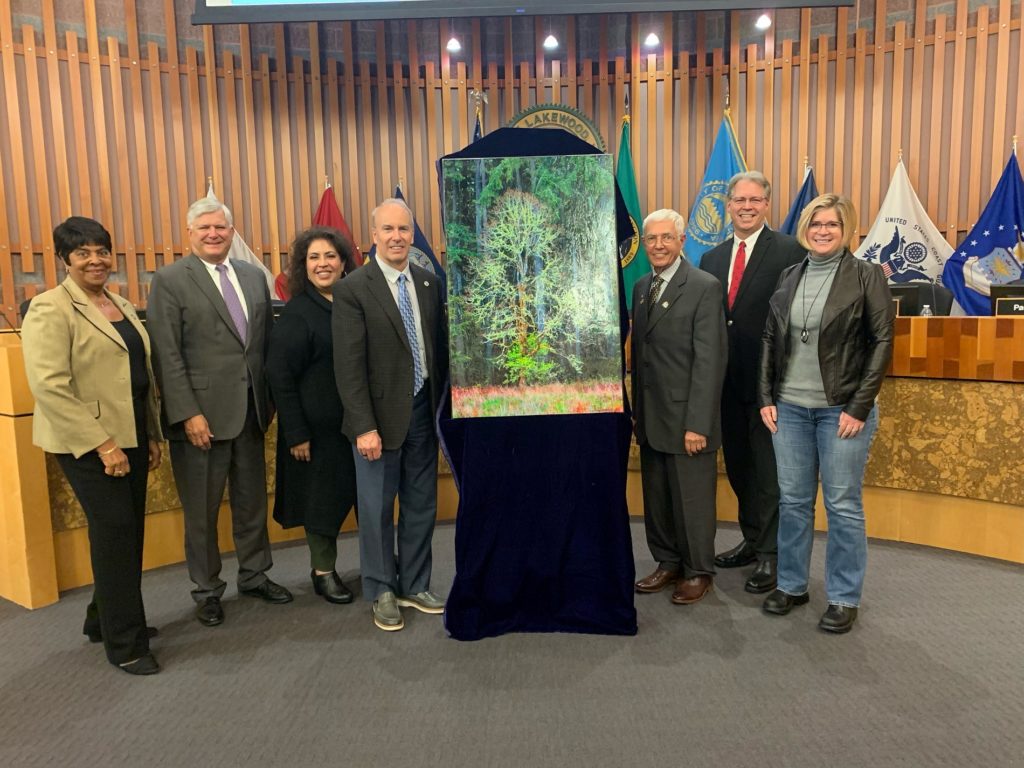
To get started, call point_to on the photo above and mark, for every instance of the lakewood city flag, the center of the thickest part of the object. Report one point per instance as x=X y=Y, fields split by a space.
x=632 y=255
x=709 y=225
x=992 y=253
x=241 y=251
x=903 y=240
x=808 y=191
x=328 y=214
x=421 y=254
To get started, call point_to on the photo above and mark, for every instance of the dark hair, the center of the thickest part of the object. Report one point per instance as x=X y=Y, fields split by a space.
x=76 y=232
x=297 y=278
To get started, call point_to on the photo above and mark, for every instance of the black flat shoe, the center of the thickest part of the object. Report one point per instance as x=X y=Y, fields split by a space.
x=209 y=613
x=838 y=619
x=96 y=636
x=740 y=555
x=269 y=592
x=763 y=579
x=144 y=665
x=780 y=603
x=330 y=587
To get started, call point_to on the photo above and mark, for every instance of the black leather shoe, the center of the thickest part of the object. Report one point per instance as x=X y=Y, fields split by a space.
x=740 y=555
x=762 y=579
x=838 y=619
x=330 y=587
x=209 y=613
x=144 y=665
x=780 y=603
x=269 y=592
x=96 y=636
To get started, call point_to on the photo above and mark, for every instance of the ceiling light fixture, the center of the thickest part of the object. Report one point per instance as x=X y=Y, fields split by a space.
x=550 y=43
x=651 y=40
x=763 y=22
x=454 y=46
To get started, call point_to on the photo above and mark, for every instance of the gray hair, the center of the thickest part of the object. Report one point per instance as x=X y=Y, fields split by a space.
x=667 y=214
x=391 y=201
x=755 y=176
x=205 y=205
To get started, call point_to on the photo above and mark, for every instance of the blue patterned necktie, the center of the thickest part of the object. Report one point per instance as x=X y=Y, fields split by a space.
x=233 y=302
x=405 y=310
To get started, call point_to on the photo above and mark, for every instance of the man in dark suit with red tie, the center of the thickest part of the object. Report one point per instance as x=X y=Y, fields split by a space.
x=748 y=265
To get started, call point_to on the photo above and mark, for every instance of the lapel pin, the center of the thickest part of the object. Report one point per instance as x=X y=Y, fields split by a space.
x=664 y=304
x=426 y=282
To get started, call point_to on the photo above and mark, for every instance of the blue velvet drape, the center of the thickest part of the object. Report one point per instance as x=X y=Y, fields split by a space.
x=542 y=541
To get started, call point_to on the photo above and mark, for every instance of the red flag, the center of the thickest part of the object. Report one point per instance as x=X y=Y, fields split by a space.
x=328 y=214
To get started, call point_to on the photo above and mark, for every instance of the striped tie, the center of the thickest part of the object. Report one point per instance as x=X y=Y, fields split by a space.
x=405 y=310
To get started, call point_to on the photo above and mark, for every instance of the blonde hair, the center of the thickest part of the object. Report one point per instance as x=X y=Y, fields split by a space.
x=844 y=209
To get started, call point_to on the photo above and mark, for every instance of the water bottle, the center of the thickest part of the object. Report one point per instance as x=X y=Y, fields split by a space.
x=926 y=310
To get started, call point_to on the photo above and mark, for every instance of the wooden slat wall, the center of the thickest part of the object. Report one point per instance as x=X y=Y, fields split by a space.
x=129 y=134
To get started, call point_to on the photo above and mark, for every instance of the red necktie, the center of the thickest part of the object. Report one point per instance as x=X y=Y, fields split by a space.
x=737 y=272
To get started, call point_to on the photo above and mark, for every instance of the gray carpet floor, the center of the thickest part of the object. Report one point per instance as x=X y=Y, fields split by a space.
x=932 y=674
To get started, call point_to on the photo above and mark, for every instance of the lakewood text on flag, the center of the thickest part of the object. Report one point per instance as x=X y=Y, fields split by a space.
x=709 y=224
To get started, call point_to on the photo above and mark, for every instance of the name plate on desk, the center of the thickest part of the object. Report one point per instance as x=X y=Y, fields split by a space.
x=1009 y=306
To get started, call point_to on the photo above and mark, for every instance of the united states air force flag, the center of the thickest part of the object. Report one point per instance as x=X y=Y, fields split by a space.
x=992 y=253
x=709 y=224
x=903 y=240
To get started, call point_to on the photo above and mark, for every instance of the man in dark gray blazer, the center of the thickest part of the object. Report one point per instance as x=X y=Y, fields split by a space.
x=209 y=319
x=678 y=357
x=390 y=362
x=748 y=266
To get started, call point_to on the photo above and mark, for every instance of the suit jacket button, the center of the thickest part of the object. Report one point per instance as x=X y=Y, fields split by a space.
x=728 y=322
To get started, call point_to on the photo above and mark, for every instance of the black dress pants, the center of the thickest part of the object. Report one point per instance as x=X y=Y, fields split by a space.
x=115 y=508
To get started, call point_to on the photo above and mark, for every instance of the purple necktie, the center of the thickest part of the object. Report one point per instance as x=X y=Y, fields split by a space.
x=233 y=302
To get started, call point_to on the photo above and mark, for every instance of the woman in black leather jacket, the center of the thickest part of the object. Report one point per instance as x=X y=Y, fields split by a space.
x=825 y=350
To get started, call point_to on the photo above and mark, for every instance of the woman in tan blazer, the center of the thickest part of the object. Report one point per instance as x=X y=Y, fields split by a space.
x=88 y=365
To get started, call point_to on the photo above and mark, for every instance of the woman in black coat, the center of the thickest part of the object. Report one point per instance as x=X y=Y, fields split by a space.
x=316 y=480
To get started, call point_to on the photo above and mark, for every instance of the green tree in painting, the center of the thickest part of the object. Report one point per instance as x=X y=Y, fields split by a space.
x=506 y=280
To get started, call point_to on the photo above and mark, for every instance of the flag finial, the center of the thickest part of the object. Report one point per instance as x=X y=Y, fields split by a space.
x=209 y=179
x=1015 y=144
x=901 y=154
x=327 y=182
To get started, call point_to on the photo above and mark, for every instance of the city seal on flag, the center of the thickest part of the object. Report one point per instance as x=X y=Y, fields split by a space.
x=420 y=259
x=629 y=247
x=709 y=223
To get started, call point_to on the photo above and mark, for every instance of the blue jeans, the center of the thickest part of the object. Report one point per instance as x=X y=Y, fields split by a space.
x=805 y=444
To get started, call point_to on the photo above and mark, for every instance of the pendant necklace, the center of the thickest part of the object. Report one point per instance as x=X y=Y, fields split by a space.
x=804 y=333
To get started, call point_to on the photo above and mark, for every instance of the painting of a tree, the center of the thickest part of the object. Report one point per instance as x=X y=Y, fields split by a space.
x=533 y=297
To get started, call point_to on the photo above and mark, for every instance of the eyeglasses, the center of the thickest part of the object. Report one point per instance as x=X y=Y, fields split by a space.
x=815 y=225
x=750 y=200
x=655 y=239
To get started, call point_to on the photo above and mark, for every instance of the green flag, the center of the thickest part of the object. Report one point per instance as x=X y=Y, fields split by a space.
x=631 y=251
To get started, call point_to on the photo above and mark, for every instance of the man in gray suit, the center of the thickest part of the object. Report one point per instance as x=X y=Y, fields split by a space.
x=390 y=361
x=209 y=319
x=678 y=356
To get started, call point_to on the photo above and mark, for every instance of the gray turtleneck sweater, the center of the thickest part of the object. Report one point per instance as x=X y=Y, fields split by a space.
x=801 y=383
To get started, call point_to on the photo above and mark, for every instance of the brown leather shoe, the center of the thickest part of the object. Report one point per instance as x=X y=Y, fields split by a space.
x=690 y=591
x=656 y=581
